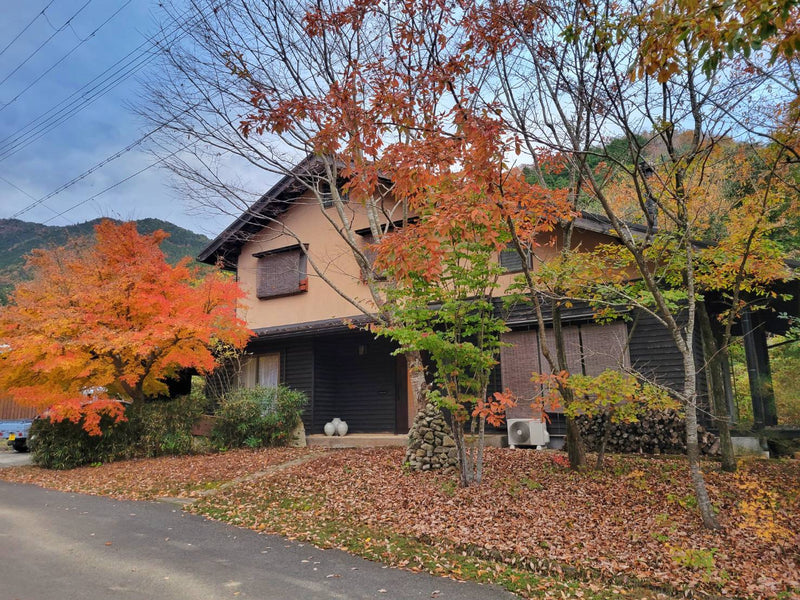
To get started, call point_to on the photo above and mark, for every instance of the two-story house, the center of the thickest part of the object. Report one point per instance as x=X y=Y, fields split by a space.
x=303 y=288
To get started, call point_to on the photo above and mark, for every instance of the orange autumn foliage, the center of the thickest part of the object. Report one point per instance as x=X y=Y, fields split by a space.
x=396 y=116
x=111 y=321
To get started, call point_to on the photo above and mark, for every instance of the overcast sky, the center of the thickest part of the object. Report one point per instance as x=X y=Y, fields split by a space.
x=64 y=54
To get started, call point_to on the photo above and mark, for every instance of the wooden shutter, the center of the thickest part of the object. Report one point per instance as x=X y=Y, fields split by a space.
x=605 y=347
x=281 y=273
x=572 y=348
x=518 y=362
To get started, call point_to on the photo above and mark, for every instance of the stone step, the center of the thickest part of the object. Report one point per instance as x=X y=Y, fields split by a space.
x=356 y=440
x=378 y=440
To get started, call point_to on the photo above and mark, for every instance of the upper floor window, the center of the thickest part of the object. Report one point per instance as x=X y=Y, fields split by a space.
x=511 y=261
x=282 y=272
x=327 y=195
x=371 y=253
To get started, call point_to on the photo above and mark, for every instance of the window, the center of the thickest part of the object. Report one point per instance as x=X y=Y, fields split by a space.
x=281 y=272
x=511 y=261
x=262 y=370
x=371 y=253
x=327 y=195
x=589 y=349
x=519 y=359
x=605 y=347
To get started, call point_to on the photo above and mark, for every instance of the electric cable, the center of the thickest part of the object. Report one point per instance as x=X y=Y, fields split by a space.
x=128 y=178
x=24 y=29
x=44 y=43
x=110 y=78
x=99 y=165
x=64 y=57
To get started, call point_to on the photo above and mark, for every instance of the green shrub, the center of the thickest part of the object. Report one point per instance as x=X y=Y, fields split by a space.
x=66 y=445
x=257 y=417
x=151 y=429
x=163 y=426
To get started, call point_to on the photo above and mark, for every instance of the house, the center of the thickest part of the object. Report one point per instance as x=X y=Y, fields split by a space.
x=304 y=288
x=10 y=410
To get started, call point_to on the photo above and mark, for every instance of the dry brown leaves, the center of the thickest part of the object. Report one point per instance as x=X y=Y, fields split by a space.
x=637 y=519
x=145 y=479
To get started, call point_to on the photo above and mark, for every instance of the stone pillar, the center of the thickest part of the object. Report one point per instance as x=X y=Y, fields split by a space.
x=430 y=441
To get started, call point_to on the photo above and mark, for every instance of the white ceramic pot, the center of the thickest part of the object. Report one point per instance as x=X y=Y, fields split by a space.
x=341 y=428
x=329 y=428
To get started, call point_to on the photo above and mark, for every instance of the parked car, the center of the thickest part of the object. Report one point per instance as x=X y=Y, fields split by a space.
x=16 y=433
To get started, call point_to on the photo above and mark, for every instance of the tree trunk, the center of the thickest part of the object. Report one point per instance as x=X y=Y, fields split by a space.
x=575 y=451
x=692 y=445
x=714 y=356
x=481 y=448
x=418 y=383
x=464 y=468
x=601 y=453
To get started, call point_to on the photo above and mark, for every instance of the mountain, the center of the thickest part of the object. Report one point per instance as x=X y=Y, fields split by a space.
x=18 y=238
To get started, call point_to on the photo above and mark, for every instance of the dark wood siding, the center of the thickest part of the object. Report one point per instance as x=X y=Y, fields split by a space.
x=655 y=355
x=297 y=368
x=352 y=376
x=297 y=372
x=325 y=385
x=356 y=380
x=653 y=352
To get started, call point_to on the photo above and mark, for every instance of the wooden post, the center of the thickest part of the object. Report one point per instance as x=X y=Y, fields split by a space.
x=758 y=372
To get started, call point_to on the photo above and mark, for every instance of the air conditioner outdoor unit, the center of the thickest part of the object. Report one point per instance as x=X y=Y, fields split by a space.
x=527 y=432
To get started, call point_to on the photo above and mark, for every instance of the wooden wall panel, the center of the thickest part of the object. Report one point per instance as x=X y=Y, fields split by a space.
x=11 y=411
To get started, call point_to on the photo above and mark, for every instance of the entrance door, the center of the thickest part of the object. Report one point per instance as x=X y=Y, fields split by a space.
x=356 y=380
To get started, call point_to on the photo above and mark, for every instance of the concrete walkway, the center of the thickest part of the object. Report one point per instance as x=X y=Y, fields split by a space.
x=10 y=458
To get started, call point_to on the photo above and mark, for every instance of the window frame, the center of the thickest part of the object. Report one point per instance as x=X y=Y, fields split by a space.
x=251 y=372
x=302 y=271
x=326 y=195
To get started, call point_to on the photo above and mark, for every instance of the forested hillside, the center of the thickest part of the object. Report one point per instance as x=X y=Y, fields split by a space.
x=18 y=238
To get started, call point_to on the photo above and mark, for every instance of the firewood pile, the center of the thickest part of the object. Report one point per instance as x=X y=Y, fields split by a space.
x=654 y=433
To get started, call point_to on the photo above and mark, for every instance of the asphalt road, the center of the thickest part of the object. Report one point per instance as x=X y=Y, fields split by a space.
x=59 y=546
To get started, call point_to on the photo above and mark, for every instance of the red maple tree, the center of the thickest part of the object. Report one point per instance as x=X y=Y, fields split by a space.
x=111 y=321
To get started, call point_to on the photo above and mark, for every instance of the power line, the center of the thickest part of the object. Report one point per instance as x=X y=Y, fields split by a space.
x=16 y=187
x=78 y=104
x=86 y=173
x=21 y=191
x=24 y=29
x=102 y=163
x=110 y=78
x=63 y=58
x=128 y=178
x=44 y=43
x=65 y=110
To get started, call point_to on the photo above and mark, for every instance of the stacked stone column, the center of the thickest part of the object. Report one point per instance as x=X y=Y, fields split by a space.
x=430 y=442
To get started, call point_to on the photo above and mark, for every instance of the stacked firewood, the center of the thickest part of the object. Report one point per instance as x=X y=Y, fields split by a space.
x=661 y=432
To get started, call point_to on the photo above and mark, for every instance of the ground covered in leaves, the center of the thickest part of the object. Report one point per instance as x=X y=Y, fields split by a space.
x=150 y=478
x=534 y=525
